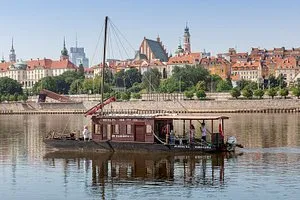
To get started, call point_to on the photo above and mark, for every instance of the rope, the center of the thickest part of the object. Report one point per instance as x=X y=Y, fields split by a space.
x=157 y=138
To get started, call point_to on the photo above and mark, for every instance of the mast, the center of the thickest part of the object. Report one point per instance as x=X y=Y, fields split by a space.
x=103 y=64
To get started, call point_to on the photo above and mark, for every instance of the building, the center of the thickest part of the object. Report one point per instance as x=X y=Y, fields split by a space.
x=153 y=50
x=78 y=56
x=27 y=73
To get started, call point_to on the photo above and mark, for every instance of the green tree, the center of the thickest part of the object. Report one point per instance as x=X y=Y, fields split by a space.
x=224 y=86
x=10 y=86
x=25 y=97
x=191 y=75
x=81 y=70
x=259 y=93
x=284 y=92
x=48 y=83
x=151 y=79
x=189 y=94
x=201 y=86
x=296 y=92
x=235 y=92
x=169 y=85
x=136 y=87
x=247 y=92
x=132 y=76
x=200 y=94
x=272 y=92
x=76 y=87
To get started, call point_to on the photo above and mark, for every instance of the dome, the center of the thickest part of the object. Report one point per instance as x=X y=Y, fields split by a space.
x=21 y=65
x=12 y=67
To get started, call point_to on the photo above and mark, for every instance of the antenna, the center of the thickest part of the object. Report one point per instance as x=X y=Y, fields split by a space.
x=76 y=41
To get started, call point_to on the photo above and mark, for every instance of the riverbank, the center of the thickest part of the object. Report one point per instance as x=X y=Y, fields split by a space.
x=139 y=106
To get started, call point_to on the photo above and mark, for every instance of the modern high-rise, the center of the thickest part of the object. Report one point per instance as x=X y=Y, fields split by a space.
x=78 y=56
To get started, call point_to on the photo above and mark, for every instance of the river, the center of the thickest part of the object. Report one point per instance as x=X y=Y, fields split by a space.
x=267 y=168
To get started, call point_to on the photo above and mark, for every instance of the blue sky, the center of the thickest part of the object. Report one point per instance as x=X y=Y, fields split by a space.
x=38 y=26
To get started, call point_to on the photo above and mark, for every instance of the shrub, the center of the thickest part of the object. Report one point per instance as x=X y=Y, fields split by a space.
x=136 y=95
x=189 y=94
x=247 y=92
x=284 y=92
x=296 y=92
x=259 y=93
x=272 y=92
x=235 y=92
x=200 y=94
x=125 y=96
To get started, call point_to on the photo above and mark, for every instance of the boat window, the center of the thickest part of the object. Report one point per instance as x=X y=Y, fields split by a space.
x=148 y=129
x=128 y=129
x=99 y=129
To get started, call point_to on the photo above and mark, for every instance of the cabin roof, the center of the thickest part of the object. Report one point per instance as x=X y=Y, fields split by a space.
x=192 y=117
x=164 y=117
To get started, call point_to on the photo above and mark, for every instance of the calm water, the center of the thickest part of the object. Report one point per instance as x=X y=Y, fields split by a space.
x=268 y=168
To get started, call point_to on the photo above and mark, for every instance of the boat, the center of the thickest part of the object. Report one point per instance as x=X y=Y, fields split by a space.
x=145 y=132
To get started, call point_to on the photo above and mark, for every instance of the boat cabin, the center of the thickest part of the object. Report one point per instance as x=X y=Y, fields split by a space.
x=155 y=128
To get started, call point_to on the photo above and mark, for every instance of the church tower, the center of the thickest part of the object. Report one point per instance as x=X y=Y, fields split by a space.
x=64 y=52
x=187 y=41
x=12 y=55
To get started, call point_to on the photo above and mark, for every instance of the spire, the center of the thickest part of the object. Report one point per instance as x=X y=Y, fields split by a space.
x=12 y=55
x=187 y=42
x=12 y=43
x=64 y=52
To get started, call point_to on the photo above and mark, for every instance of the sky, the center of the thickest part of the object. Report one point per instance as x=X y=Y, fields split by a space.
x=39 y=26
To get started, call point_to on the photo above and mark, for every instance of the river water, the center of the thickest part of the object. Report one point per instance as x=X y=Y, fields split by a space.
x=267 y=168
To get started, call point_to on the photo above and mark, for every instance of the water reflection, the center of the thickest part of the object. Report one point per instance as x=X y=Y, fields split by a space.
x=110 y=169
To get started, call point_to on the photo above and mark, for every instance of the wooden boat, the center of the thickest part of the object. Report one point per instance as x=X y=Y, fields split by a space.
x=149 y=133
x=143 y=132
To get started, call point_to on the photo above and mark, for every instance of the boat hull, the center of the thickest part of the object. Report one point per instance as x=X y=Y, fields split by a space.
x=113 y=146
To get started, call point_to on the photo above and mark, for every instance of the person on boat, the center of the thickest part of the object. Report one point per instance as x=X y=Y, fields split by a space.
x=86 y=133
x=192 y=133
x=203 y=131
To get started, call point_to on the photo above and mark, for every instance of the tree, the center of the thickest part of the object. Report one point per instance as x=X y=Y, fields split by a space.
x=25 y=97
x=259 y=93
x=169 y=85
x=284 y=92
x=272 y=92
x=191 y=75
x=48 y=83
x=136 y=87
x=81 y=70
x=76 y=87
x=189 y=94
x=247 y=92
x=235 y=92
x=200 y=85
x=10 y=86
x=200 y=94
x=132 y=76
x=296 y=92
x=224 y=86
x=151 y=79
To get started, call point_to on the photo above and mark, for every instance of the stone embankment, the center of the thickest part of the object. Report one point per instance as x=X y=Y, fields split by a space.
x=139 y=106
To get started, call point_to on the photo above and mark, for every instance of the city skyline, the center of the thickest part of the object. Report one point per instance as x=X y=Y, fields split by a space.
x=38 y=29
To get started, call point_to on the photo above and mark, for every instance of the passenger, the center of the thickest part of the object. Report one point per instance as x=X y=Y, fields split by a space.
x=203 y=131
x=86 y=133
x=172 y=137
x=192 y=133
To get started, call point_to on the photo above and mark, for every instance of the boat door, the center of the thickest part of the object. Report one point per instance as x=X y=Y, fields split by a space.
x=139 y=133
